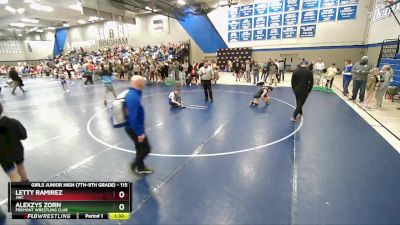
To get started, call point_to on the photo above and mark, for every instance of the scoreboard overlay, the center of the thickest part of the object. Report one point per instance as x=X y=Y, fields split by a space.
x=70 y=200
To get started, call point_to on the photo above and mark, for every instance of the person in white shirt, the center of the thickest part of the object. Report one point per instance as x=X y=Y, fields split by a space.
x=330 y=75
x=319 y=67
x=206 y=75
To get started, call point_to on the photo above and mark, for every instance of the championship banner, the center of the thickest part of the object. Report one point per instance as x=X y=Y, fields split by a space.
x=289 y=32
x=307 y=31
x=327 y=15
x=292 y=5
x=259 y=35
x=347 y=13
x=291 y=19
x=309 y=16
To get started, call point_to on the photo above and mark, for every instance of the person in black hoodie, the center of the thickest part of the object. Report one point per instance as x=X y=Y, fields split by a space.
x=302 y=83
x=16 y=80
x=11 y=148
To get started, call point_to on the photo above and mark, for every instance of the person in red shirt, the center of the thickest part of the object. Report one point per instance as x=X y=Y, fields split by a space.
x=89 y=74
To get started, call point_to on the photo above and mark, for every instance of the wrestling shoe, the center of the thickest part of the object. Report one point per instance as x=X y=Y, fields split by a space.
x=145 y=170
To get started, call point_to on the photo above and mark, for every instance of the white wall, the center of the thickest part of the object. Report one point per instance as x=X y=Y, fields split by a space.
x=348 y=32
x=39 y=50
x=386 y=28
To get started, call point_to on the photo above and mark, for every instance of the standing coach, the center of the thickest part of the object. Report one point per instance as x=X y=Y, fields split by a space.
x=135 y=124
x=302 y=83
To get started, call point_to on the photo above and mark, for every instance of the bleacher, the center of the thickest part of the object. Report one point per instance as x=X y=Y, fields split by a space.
x=395 y=63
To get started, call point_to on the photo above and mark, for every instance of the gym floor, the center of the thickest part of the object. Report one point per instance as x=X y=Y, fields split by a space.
x=216 y=163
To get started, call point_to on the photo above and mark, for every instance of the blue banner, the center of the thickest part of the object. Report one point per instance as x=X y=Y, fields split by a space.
x=233 y=25
x=233 y=36
x=347 y=13
x=245 y=35
x=275 y=20
x=259 y=35
x=327 y=15
x=246 y=23
x=348 y=2
x=234 y=12
x=328 y=3
x=290 y=19
x=260 y=9
x=59 y=41
x=246 y=10
x=307 y=31
x=292 y=5
x=309 y=16
x=260 y=22
x=275 y=6
x=274 y=33
x=310 y=4
x=289 y=32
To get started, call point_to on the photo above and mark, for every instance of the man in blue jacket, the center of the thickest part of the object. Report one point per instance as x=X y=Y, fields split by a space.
x=135 y=124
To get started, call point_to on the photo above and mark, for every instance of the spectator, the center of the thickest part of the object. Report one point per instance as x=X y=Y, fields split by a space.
x=371 y=85
x=256 y=72
x=330 y=75
x=347 y=76
x=17 y=81
x=360 y=73
x=281 y=68
x=383 y=84
x=106 y=78
x=272 y=71
x=11 y=148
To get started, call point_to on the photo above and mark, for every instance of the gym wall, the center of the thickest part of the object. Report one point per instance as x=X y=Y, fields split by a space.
x=381 y=29
x=334 y=41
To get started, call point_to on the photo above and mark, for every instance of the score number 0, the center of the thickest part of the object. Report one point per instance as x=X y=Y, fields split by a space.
x=121 y=195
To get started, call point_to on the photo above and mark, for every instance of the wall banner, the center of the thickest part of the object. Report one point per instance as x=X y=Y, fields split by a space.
x=275 y=20
x=275 y=6
x=347 y=13
x=309 y=16
x=327 y=15
x=274 y=33
x=307 y=31
x=292 y=5
x=260 y=9
x=259 y=35
x=291 y=19
x=289 y=32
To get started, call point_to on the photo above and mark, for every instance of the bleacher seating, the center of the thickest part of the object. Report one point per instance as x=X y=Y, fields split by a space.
x=395 y=63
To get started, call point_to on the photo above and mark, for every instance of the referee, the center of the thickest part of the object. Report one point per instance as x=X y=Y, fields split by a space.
x=206 y=75
x=302 y=83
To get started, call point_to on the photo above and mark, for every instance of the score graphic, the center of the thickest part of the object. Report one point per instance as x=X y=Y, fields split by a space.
x=70 y=200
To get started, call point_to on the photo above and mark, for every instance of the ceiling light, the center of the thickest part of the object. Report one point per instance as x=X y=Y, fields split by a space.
x=51 y=28
x=26 y=20
x=17 y=24
x=77 y=7
x=3 y=2
x=33 y=29
x=19 y=35
x=20 y=10
x=40 y=7
x=81 y=21
x=181 y=2
x=39 y=30
x=10 y=9
x=95 y=18
x=29 y=1
x=65 y=25
x=148 y=8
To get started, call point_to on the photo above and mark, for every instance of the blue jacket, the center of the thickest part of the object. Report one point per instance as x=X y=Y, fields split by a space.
x=135 y=109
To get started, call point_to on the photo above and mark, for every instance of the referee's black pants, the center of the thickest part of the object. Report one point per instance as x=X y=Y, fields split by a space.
x=301 y=98
x=207 y=89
